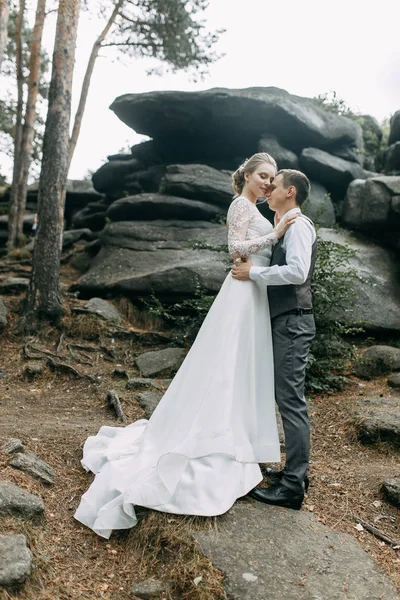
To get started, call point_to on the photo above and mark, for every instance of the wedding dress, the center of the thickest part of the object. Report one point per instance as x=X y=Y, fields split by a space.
x=200 y=450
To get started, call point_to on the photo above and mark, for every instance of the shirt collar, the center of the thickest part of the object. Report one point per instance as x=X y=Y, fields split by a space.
x=292 y=211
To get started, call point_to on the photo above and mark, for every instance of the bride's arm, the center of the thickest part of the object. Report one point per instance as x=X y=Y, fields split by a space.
x=238 y=219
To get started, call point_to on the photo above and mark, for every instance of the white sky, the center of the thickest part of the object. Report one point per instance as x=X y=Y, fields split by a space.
x=307 y=47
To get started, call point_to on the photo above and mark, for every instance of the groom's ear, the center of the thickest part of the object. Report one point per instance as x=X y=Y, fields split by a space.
x=291 y=191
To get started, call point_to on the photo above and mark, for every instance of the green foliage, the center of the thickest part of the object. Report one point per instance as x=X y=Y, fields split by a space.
x=170 y=31
x=333 y=292
x=332 y=103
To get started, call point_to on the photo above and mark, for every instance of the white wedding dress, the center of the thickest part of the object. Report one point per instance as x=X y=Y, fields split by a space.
x=200 y=450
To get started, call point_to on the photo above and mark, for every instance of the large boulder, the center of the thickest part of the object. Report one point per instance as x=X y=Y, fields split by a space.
x=394 y=135
x=147 y=207
x=174 y=258
x=372 y=206
x=319 y=207
x=109 y=176
x=392 y=164
x=221 y=122
x=377 y=288
x=334 y=172
x=198 y=182
x=286 y=159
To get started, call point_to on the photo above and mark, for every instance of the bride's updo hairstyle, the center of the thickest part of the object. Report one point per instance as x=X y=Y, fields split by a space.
x=249 y=166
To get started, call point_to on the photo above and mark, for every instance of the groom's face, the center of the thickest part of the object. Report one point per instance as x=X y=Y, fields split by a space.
x=277 y=194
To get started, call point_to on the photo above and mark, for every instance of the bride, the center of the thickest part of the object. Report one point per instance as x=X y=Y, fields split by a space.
x=200 y=450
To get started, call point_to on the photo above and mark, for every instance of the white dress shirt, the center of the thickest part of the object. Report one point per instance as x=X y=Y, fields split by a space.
x=297 y=243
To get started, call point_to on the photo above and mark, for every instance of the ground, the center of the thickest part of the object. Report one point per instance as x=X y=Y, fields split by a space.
x=54 y=414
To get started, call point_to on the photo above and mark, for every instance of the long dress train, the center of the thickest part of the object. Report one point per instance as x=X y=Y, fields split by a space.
x=200 y=449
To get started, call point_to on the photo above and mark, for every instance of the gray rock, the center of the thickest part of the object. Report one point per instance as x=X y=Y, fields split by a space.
x=89 y=217
x=75 y=235
x=142 y=383
x=160 y=362
x=14 y=285
x=286 y=159
x=17 y=502
x=32 y=371
x=34 y=466
x=379 y=421
x=391 y=490
x=3 y=315
x=216 y=122
x=378 y=291
x=15 y=560
x=378 y=360
x=164 y=235
x=12 y=445
x=318 y=207
x=392 y=164
x=103 y=309
x=391 y=182
x=174 y=272
x=395 y=204
x=394 y=135
x=394 y=381
x=198 y=182
x=159 y=206
x=266 y=552
x=330 y=170
x=108 y=178
x=149 y=401
x=150 y=589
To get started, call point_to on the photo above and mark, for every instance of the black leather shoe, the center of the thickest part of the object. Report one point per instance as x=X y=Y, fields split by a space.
x=277 y=474
x=278 y=495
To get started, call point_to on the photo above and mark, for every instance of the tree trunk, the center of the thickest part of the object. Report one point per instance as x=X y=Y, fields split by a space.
x=13 y=208
x=86 y=81
x=4 y=13
x=43 y=298
x=30 y=115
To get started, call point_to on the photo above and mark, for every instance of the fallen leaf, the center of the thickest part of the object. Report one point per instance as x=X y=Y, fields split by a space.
x=359 y=527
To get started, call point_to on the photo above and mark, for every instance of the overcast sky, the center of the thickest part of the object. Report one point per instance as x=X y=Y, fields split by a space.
x=307 y=47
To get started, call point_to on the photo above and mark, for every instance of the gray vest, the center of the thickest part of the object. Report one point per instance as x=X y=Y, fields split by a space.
x=283 y=298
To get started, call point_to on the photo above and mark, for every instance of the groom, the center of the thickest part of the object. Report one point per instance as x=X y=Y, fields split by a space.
x=289 y=293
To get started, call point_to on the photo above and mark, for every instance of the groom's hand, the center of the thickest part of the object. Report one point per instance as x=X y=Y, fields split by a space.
x=241 y=270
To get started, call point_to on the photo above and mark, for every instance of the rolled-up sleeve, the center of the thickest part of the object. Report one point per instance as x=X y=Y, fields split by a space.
x=298 y=242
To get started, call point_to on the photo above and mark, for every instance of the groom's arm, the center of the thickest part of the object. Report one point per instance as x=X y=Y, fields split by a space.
x=299 y=239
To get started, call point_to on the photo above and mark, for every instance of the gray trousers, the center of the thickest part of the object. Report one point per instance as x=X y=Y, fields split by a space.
x=292 y=336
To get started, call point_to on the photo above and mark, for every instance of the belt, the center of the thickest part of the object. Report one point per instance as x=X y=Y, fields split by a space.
x=296 y=311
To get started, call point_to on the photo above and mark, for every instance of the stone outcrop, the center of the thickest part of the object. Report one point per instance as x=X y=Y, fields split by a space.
x=392 y=164
x=377 y=289
x=373 y=206
x=160 y=362
x=378 y=420
x=257 y=547
x=233 y=120
x=394 y=135
x=3 y=315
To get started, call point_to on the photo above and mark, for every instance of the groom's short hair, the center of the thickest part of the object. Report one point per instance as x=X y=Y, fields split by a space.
x=298 y=180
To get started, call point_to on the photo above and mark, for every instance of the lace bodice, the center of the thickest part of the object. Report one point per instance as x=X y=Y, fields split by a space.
x=249 y=232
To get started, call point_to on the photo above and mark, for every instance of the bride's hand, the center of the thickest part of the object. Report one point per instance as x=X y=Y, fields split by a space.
x=284 y=225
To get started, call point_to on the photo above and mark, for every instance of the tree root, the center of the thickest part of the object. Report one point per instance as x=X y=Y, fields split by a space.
x=378 y=533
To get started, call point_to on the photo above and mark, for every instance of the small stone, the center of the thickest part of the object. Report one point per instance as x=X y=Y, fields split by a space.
x=103 y=309
x=12 y=445
x=15 y=560
x=142 y=383
x=394 y=380
x=391 y=490
x=120 y=373
x=17 y=502
x=149 y=401
x=160 y=362
x=150 y=589
x=34 y=466
x=249 y=577
x=32 y=370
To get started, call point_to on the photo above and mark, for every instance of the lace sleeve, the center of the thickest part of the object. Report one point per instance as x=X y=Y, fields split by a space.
x=238 y=219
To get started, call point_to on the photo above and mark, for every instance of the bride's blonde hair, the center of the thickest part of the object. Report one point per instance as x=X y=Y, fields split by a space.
x=249 y=166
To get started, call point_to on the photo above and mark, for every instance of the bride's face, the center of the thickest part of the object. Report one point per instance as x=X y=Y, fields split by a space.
x=258 y=182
